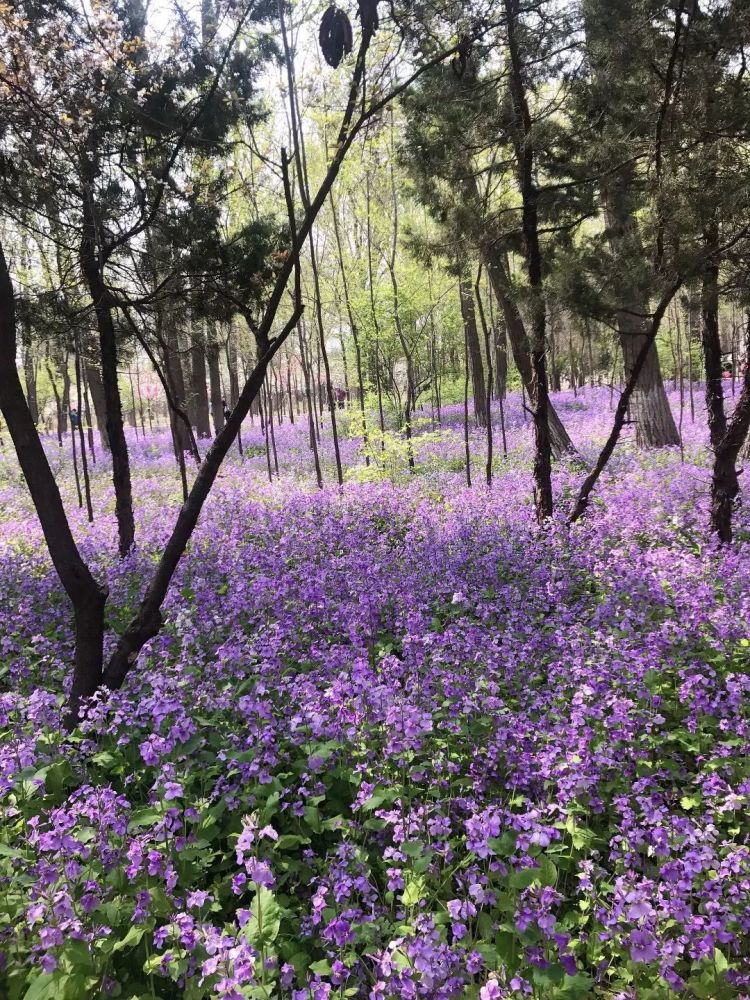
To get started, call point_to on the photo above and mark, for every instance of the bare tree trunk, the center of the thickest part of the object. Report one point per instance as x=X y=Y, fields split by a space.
x=175 y=379
x=519 y=342
x=234 y=382
x=65 y=390
x=525 y=169
x=214 y=376
x=84 y=459
x=488 y=393
x=90 y=267
x=87 y=405
x=501 y=359
x=289 y=390
x=75 y=466
x=584 y=493
x=100 y=407
x=694 y=334
x=29 y=371
x=467 y=449
x=717 y=423
x=86 y=595
x=352 y=327
x=475 y=350
x=725 y=486
x=654 y=422
x=310 y=405
x=58 y=405
x=199 y=392
x=554 y=370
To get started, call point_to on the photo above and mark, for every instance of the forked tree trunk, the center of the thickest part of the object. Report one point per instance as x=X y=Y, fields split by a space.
x=90 y=600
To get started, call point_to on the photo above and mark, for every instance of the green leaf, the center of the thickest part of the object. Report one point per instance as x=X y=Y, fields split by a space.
x=10 y=852
x=263 y=927
x=131 y=939
x=290 y=840
x=523 y=878
x=414 y=890
x=720 y=961
x=321 y=968
x=144 y=817
x=46 y=986
x=547 y=871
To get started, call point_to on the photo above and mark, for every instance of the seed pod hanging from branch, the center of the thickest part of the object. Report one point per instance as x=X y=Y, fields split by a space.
x=335 y=35
x=368 y=15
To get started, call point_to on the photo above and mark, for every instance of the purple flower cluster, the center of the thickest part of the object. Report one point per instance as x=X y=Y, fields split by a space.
x=393 y=741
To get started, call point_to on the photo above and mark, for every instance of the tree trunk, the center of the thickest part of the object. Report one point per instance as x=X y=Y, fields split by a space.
x=86 y=595
x=519 y=342
x=214 y=377
x=654 y=422
x=234 y=381
x=714 y=389
x=198 y=377
x=582 y=500
x=58 y=404
x=65 y=391
x=501 y=359
x=471 y=333
x=90 y=267
x=94 y=380
x=175 y=377
x=725 y=486
x=29 y=371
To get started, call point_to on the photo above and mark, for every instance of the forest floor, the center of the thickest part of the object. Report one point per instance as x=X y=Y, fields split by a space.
x=393 y=741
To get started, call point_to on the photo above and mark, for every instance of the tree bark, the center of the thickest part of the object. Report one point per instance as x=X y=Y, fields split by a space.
x=214 y=377
x=29 y=371
x=725 y=486
x=86 y=595
x=584 y=493
x=94 y=380
x=198 y=379
x=523 y=143
x=654 y=422
x=471 y=334
x=90 y=267
x=232 y=362
x=519 y=343
x=710 y=337
x=501 y=359
x=175 y=377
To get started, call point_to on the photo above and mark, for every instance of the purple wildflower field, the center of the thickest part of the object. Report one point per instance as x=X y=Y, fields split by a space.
x=394 y=741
